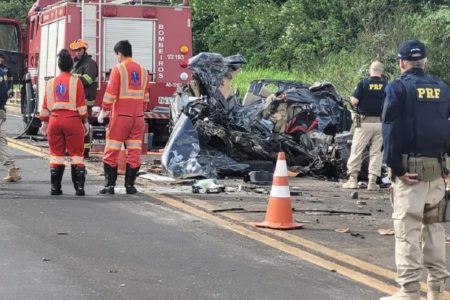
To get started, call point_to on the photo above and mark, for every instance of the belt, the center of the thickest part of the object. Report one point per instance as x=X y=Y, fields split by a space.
x=427 y=168
x=370 y=119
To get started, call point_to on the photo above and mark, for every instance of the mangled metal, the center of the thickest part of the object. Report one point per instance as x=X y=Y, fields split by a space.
x=214 y=134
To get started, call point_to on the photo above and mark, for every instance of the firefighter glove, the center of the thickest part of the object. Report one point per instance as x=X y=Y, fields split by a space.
x=101 y=116
x=44 y=128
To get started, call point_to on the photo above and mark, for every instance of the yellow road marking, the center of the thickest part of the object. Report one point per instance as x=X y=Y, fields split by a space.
x=336 y=255
x=27 y=148
x=274 y=243
x=279 y=245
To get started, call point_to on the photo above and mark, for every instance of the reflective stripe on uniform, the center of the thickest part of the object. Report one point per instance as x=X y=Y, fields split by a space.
x=56 y=160
x=133 y=144
x=113 y=144
x=108 y=98
x=88 y=79
x=124 y=91
x=73 y=84
x=52 y=104
x=50 y=97
x=82 y=110
x=45 y=113
x=62 y=105
x=144 y=85
x=76 y=160
x=90 y=102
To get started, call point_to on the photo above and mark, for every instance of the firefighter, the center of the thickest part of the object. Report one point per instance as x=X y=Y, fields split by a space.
x=87 y=70
x=416 y=139
x=368 y=99
x=124 y=101
x=5 y=92
x=64 y=121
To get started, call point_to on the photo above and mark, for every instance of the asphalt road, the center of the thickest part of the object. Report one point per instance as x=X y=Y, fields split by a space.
x=132 y=247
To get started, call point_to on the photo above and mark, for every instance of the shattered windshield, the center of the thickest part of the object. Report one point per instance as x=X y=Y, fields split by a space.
x=9 y=38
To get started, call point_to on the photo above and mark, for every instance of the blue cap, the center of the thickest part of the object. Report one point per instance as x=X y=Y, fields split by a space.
x=412 y=50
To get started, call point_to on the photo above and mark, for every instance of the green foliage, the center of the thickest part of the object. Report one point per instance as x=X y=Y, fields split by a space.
x=434 y=29
x=324 y=40
x=15 y=9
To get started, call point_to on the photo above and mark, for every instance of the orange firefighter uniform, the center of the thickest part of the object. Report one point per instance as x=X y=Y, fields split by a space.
x=126 y=97
x=65 y=110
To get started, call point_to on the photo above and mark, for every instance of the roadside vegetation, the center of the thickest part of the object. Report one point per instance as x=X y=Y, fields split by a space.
x=309 y=41
x=323 y=40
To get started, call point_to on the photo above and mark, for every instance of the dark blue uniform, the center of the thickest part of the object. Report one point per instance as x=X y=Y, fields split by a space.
x=5 y=85
x=415 y=118
x=370 y=93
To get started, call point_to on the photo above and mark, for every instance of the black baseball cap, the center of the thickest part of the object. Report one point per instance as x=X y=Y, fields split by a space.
x=412 y=50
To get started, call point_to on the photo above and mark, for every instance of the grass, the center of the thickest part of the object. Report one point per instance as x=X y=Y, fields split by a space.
x=243 y=80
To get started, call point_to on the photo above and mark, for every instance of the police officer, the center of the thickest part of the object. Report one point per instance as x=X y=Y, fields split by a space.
x=125 y=100
x=416 y=135
x=368 y=99
x=87 y=70
x=64 y=120
x=6 y=91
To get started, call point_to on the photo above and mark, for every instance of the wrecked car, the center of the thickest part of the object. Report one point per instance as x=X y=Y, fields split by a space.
x=214 y=133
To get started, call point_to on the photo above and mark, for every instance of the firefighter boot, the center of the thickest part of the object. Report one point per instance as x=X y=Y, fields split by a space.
x=372 y=185
x=130 y=178
x=56 y=175
x=78 y=179
x=13 y=175
x=435 y=291
x=111 y=177
x=352 y=182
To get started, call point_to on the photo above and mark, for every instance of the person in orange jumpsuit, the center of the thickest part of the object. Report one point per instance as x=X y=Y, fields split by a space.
x=125 y=100
x=64 y=121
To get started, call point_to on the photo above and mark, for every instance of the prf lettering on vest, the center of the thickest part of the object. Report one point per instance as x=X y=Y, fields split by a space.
x=428 y=93
x=376 y=87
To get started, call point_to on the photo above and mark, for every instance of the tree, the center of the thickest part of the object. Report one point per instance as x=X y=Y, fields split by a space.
x=15 y=9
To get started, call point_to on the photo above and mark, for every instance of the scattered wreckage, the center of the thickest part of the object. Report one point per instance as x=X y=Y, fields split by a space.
x=214 y=135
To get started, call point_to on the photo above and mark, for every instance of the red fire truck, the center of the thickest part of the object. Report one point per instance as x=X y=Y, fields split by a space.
x=160 y=33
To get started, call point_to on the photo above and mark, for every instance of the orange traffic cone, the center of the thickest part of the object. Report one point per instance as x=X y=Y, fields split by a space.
x=279 y=209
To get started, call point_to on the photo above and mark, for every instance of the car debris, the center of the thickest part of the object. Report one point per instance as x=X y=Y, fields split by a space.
x=214 y=135
x=227 y=209
x=208 y=186
x=157 y=178
x=259 y=177
x=356 y=234
x=384 y=231
x=330 y=212
x=342 y=230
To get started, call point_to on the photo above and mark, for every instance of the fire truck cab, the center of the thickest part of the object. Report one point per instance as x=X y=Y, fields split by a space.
x=159 y=32
x=11 y=45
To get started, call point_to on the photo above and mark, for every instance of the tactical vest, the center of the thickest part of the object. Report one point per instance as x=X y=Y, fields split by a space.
x=426 y=115
x=371 y=103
